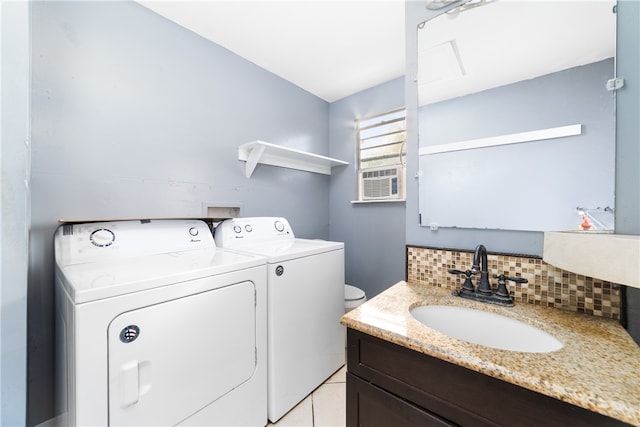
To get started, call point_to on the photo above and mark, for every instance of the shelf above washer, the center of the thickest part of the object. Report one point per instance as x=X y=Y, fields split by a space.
x=275 y=155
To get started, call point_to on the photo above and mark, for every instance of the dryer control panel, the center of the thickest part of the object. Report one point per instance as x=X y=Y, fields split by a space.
x=235 y=231
x=112 y=240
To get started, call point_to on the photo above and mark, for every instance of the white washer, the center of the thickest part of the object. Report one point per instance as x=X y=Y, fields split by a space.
x=305 y=288
x=157 y=327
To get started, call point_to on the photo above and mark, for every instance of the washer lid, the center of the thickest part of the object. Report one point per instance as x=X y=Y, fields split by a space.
x=351 y=293
x=280 y=251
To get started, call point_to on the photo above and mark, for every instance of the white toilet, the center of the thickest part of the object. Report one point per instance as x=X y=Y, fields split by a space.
x=353 y=297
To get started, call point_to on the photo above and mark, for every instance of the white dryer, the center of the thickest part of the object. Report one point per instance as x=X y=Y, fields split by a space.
x=305 y=300
x=155 y=327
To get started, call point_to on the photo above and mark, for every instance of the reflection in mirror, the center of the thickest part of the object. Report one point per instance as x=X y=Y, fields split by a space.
x=516 y=120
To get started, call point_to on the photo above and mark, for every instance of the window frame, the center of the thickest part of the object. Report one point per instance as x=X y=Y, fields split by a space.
x=381 y=127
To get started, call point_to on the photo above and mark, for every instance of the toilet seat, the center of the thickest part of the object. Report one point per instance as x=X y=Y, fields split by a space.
x=351 y=293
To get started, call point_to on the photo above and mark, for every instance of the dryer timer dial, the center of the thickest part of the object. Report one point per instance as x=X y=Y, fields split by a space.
x=102 y=237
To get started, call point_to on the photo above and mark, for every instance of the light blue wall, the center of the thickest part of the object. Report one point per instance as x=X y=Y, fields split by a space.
x=14 y=215
x=628 y=140
x=627 y=123
x=373 y=233
x=135 y=117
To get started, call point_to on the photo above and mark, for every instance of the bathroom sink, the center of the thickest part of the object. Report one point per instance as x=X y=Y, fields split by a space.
x=485 y=328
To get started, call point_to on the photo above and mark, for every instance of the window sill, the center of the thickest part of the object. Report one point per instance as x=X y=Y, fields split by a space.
x=367 y=202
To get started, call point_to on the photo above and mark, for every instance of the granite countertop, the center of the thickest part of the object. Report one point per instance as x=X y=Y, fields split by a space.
x=598 y=367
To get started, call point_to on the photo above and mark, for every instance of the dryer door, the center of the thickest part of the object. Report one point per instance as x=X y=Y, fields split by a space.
x=169 y=360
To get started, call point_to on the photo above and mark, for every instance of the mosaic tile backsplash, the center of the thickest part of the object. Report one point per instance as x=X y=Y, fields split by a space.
x=547 y=286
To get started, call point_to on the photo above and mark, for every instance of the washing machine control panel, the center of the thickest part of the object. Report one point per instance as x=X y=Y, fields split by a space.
x=237 y=231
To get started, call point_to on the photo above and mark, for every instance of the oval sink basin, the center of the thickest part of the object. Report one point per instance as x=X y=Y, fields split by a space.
x=486 y=328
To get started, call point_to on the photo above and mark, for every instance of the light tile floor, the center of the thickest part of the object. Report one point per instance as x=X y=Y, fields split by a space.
x=324 y=407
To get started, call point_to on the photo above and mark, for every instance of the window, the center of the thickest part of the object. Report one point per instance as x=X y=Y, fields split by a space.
x=381 y=156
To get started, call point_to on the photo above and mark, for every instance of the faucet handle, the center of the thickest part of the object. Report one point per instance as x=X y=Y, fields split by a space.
x=502 y=277
x=468 y=284
x=502 y=284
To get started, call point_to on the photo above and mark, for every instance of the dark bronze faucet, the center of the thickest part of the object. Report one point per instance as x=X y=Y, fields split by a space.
x=484 y=292
x=480 y=266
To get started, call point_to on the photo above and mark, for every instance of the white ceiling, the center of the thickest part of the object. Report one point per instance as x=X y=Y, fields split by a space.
x=330 y=48
x=335 y=48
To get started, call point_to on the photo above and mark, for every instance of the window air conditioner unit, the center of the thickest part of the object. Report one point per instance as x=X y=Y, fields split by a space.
x=383 y=183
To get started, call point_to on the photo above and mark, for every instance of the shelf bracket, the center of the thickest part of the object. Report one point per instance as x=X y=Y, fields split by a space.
x=254 y=156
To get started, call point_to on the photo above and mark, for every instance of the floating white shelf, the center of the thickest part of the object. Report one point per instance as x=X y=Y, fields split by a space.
x=275 y=155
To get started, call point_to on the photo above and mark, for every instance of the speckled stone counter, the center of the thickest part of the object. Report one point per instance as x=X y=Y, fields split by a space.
x=598 y=367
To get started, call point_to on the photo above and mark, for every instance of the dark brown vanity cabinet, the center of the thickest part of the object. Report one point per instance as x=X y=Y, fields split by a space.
x=390 y=385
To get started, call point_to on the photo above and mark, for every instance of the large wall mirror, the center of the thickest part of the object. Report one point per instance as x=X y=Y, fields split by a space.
x=517 y=114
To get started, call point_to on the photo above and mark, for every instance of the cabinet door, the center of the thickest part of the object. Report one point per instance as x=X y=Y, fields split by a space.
x=459 y=394
x=370 y=406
